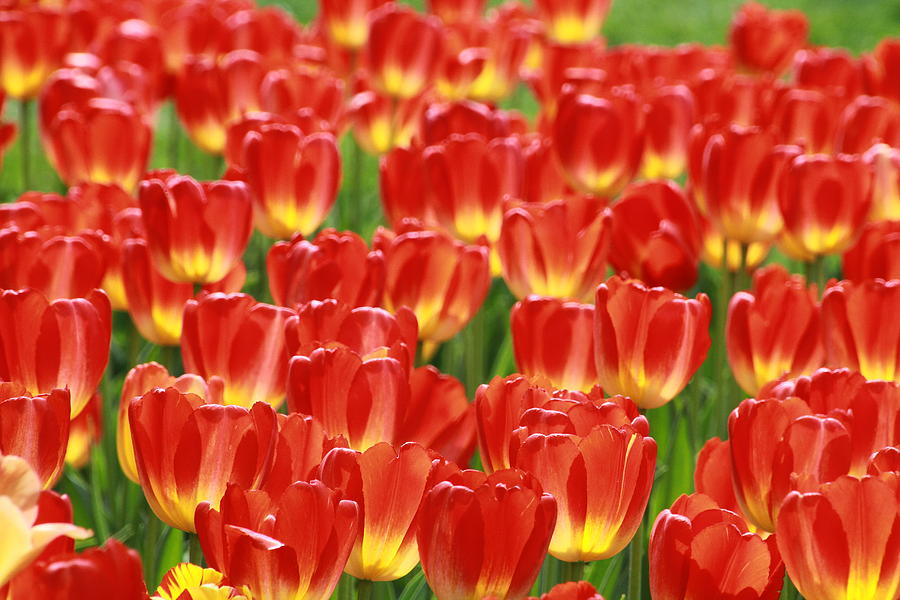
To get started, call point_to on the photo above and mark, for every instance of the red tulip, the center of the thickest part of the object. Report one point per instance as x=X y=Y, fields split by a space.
x=505 y=47
x=402 y=186
x=109 y=571
x=859 y=330
x=258 y=542
x=876 y=254
x=140 y=380
x=71 y=352
x=347 y=21
x=212 y=94
x=293 y=178
x=825 y=201
x=840 y=541
x=599 y=470
x=884 y=161
x=57 y=267
x=193 y=29
x=573 y=21
x=699 y=550
x=468 y=178
x=336 y=264
x=454 y=12
x=670 y=116
x=381 y=124
x=186 y=581
x=196 y=232
x=242 y=341
x=886 y=460
x=305 y=92
x=555 y=249
x=865 y=121
x=655 y=235
x=805 y=118
x=439 y=415
x=766 y=40
x=742 y=168
x=403 y=50
x=648 y=342
x=554 y=338
x=270 y=31
x=868 y=410
x=485 y=535
x=712 y=475
x=543 y=180
x=599 y=141
x=571 y=590
x=831 y=70
x=85 y=144
x=212 y=446
x=443 y=281
x=463 y=117
x=36 y=429
x=363 y=400
x=367 y=331
x=388 y=484
x=85 y=432
x=32 y=44
x=774 y=329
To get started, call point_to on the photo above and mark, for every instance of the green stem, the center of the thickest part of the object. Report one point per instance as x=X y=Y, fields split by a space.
x=195 y=552
x=351 y=207
x=364 y=589
x=25 y=118
x=174 y=138
x=474 y=353
x=635 y=563
x=789 y=591
x=151 y=546
x=726 y=289
x=815 y=273
x=571 y=571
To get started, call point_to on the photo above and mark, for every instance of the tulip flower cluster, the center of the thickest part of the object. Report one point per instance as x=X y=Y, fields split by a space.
x=359 y=325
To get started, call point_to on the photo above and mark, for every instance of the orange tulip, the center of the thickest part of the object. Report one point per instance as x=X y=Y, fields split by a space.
x=766 y=40
x=108 y=571
x=741 y=171
x=840 y=541
x=186 y=581
x=825 y=201
x=859 y=330
x=71 y=352
x=555 y=249
x=257 y=542
x=554 y=338
x=884 y=161
x=369 y=332
x=439 y=415
x=599 y=469
x=388 y=484
x=442 y=280
x=36 y=429
x=57 y=267
x=648 y=342
x=23 y=537
x=212 y=446
x=876 y=254
x=483 y=535
x=347 y=21
x=242 y=341
x=655 y=235
x=293 y=178
x=699 y=550
x=573 y=21
x=32 y=44
x=140 y=380
x=196 y=232
x=363 y=400
x=468 y=178
x=85 y=432
x=599 y=141
x=336 y=264
x=403 y=50
x=84 y=143
x=774 y=329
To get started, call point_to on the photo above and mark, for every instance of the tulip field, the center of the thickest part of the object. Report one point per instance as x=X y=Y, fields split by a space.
x=449 y=299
